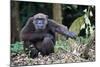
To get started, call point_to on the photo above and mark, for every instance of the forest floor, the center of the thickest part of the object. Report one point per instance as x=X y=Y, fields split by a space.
x=54 y=58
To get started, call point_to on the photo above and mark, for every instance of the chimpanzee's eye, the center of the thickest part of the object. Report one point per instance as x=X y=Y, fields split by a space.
x=39 y=21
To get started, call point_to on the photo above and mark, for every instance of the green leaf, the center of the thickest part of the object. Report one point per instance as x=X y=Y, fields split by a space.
x=76 y=25
x=17 y=47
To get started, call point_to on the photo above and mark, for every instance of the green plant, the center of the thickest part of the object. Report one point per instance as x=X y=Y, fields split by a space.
x=61 y=45
x=17 y=47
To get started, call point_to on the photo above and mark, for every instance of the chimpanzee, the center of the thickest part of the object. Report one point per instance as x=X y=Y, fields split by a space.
x=38 y=34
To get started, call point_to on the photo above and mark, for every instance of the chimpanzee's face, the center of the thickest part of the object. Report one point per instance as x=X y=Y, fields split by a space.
x=40 y=23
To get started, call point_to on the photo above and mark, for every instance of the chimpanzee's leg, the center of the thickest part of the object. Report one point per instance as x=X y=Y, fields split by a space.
x=33 y=51
x=46 y=46
x=29 y=48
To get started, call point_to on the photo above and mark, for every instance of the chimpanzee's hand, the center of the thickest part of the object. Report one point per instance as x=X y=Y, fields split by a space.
x=71 y=34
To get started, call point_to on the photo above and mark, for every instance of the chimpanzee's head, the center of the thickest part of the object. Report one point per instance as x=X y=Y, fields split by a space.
x=40 y=21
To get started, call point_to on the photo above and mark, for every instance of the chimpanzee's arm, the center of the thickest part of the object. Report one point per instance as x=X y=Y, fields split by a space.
x=28 y=31
x=30 y=36
x=60 y=29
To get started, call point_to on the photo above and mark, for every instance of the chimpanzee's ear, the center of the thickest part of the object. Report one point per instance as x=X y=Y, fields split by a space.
x=30 y=20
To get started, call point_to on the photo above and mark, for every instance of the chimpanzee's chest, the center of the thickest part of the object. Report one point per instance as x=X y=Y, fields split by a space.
x=40 y=35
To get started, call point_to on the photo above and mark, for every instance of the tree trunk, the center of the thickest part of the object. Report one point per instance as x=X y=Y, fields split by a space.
x=15 y=22
x=57 y=15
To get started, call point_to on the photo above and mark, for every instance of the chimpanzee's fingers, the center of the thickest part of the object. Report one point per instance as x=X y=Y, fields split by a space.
x=72 y=35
